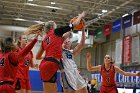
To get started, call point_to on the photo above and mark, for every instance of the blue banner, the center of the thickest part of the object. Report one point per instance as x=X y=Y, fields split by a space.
x=127 y=21
x=116 y=25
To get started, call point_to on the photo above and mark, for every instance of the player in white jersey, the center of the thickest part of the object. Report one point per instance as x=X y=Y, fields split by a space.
x=72 y=81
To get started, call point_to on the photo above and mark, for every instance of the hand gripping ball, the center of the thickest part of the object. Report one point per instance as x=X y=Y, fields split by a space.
x=80 y=26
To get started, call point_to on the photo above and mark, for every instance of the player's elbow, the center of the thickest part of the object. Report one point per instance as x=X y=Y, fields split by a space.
x=89 y=69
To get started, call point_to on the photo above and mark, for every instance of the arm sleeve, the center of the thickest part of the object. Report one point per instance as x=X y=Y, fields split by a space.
x=15 y=56
x=60 y=31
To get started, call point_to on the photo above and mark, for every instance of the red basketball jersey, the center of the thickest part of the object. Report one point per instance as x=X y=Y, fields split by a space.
x=52 y=44
x=108 y=76
x=23 y=66
x=7 y=69
x=9 y=62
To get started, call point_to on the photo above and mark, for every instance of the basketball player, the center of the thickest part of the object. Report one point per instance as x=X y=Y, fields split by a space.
x=108 y=71
x=22 y=82
x=52 y=45
x=72 y=81
x=9 y=62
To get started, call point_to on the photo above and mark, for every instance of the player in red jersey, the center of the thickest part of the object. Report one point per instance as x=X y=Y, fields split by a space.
x=22 y=82
x=108 y=71
x=8 y=63
x=52 y=45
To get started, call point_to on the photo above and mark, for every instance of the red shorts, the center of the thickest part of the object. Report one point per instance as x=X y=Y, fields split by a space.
x=112 y=89
x=6 y=88
x=47 y=70
x=22 y=84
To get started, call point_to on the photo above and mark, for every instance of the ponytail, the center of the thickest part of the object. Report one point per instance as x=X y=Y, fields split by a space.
x=34 y=28
x=41 y=27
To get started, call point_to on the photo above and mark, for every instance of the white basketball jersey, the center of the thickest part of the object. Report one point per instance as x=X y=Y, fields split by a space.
x=74 y=79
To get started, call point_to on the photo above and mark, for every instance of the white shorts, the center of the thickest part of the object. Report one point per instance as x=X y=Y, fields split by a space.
x=65 y=82
x=72 y=80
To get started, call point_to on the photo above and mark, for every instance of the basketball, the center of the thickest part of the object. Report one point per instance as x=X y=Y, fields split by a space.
x=80 y=26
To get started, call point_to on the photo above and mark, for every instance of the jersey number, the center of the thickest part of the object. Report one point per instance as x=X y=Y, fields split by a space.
x=48 y=40
x=26 y=62
x=107 y=80
x=2 y=62
x=69 y=56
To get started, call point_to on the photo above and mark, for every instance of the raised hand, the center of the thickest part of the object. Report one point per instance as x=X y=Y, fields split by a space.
x=37 y=34
x=138 y=74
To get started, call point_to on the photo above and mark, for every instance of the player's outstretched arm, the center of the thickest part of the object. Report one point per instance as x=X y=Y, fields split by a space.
x=89 y=66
